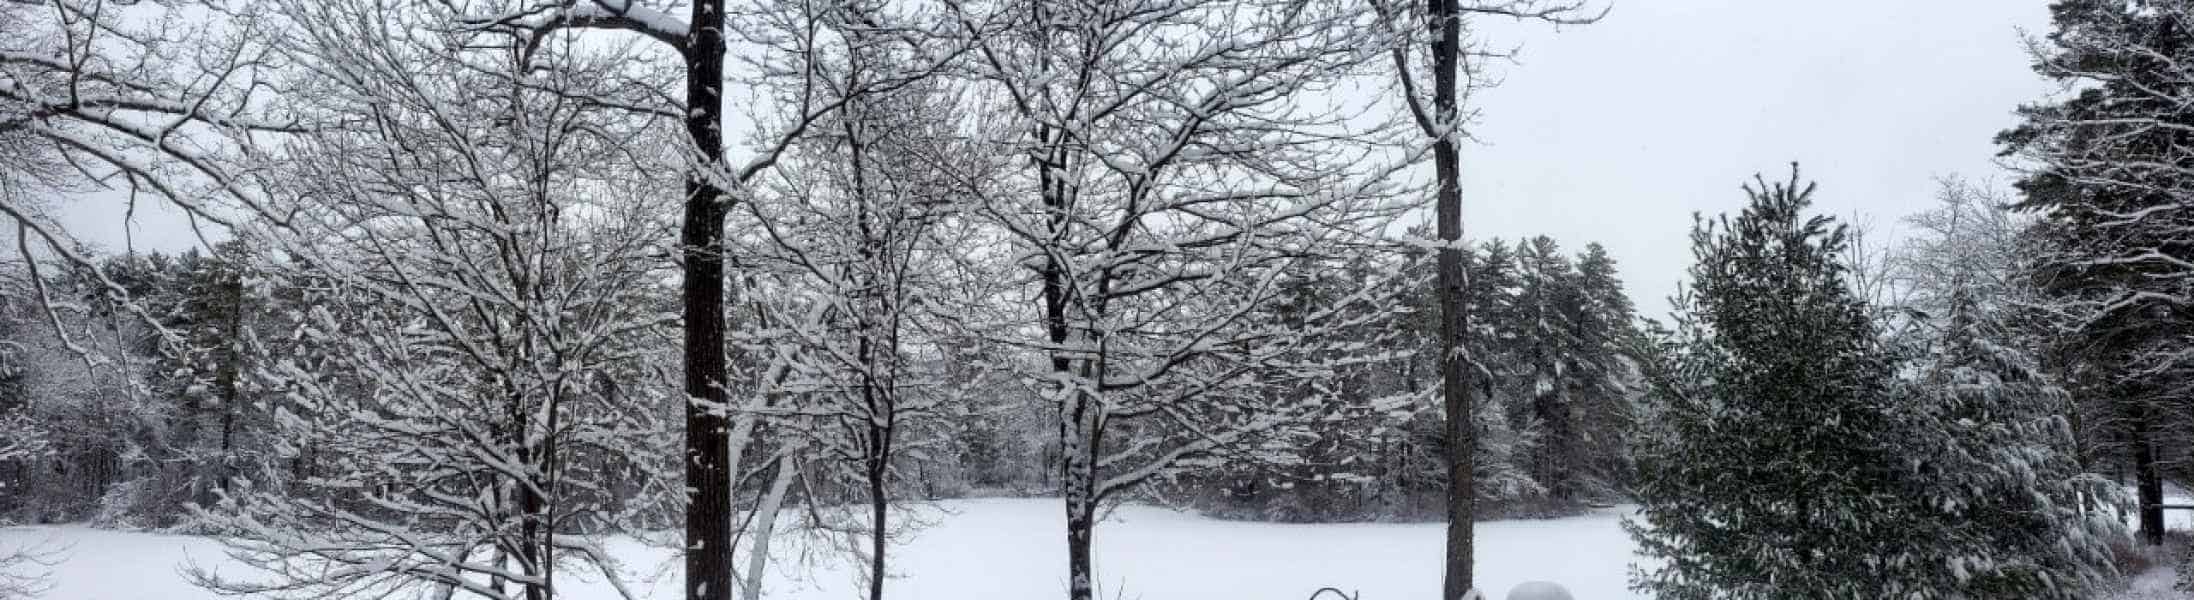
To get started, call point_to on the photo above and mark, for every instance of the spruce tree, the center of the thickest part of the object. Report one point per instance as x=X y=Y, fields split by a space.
x=1780 y=470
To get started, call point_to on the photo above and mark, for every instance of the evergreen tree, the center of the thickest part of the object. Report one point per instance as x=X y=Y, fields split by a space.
x=1547 y=350
x=2003 y=459
x=1604 y=381
x=2000 y=458
x=1781 y=472
x=1503 y=475
x=2113 y=164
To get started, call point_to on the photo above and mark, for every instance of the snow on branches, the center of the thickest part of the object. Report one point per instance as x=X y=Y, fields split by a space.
x=1172 y=192
x=475 y=358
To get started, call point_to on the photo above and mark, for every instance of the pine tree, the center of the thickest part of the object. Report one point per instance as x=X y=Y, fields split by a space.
x=1501 y=453
x=2000 y=457
x=1781 y=471
x=1501 y=450
x=1548 y=352
x=2110 y=180
x=1603 y=382
x=2002 y=454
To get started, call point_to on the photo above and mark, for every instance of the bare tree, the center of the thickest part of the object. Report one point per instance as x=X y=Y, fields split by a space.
x=786 y=35
x=142 y=101
x=475 y=252
x=1182 y=168
x=865 y=234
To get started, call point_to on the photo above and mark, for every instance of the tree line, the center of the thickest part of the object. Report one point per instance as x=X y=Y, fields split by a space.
x=200 y=410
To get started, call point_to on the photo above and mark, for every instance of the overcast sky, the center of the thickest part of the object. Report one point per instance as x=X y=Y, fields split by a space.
x=1617 y=132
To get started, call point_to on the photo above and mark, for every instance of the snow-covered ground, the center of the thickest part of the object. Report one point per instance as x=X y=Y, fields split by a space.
x=1011 y=549
x=2157 y=582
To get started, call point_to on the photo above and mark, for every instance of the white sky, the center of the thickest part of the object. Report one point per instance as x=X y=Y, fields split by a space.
x=1617 y=132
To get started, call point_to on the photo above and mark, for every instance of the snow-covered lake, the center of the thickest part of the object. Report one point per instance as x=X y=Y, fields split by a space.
x=1011 y=549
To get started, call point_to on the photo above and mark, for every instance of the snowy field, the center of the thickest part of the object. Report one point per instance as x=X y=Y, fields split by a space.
x=1011 y=549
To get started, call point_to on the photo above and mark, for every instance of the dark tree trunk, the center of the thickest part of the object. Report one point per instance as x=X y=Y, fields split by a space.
x=1445 y=16
x=877 y=465
x=1558 y=453
x=877 y=396
x=708 y=422
x=2149 y=486
x=879 y=514
x=533 y=545
x=2080 y=456
x=1079 y=435
x=226 y=379
x=1078 y=428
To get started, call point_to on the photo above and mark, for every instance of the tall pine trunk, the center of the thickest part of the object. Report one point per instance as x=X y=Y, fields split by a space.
x=1454 y=323
x=707 y=412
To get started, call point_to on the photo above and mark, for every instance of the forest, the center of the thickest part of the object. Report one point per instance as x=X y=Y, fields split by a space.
x=481 y=293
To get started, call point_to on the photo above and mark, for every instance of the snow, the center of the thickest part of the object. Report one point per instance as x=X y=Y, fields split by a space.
x=1539 y=590
x=2158 y=581
x=650 y=21
x=1012 y=548
x=2177 y=518
x=2154 y=584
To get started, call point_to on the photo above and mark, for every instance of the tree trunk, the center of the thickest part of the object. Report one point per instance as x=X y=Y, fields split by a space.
x=1454 y=323
x=531 y=545
x=2080 y=455
x=231 y=370
x=1081 y=526
x=1559 y=450
x=877 y=397
x=708 y=472
x=1079 y=437
x=1078 y=484
x=765 y=526
x=877 y=470
x=2150 y=485
x=878 y=514
x=1078 y=423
